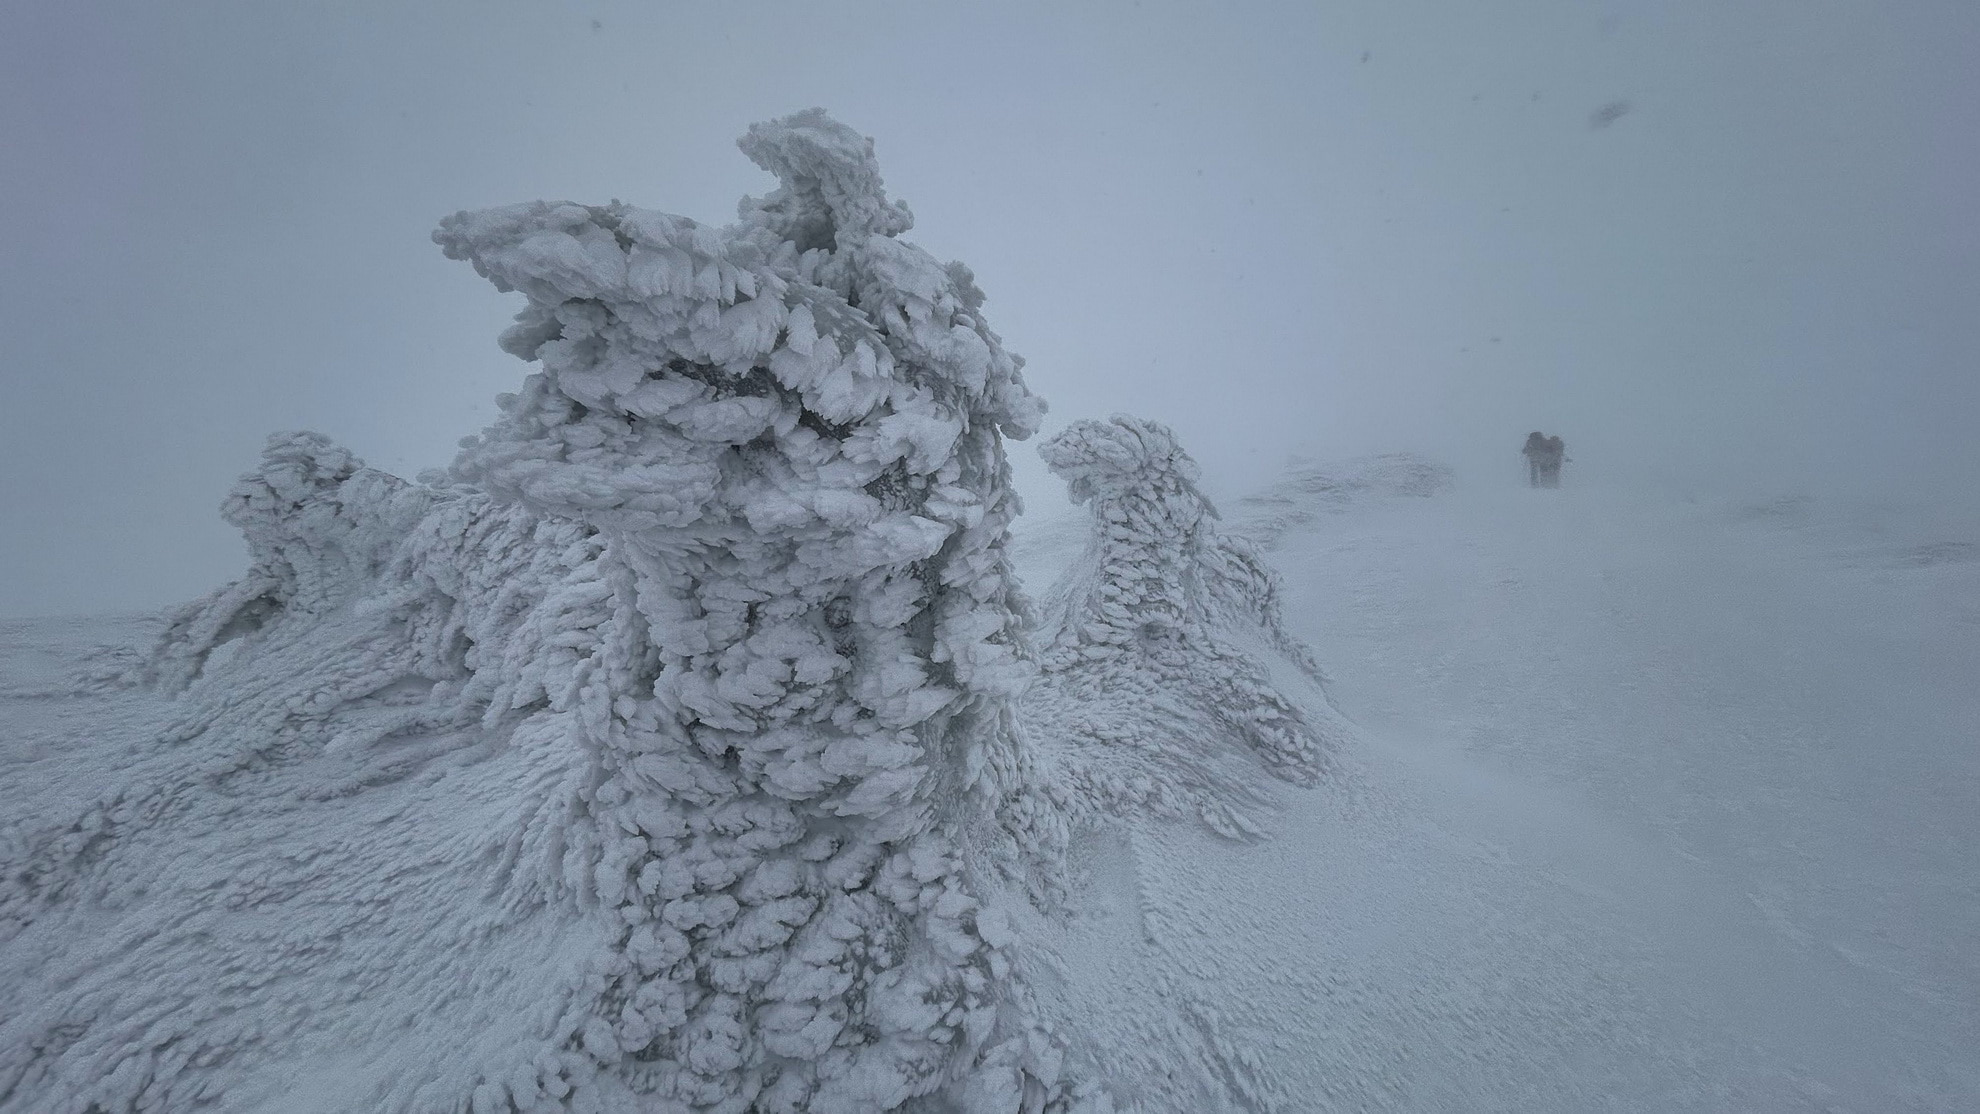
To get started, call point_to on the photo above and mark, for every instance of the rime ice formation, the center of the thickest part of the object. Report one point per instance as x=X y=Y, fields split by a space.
x=789 y=434
x=1159 y=649
x=664 y=753
x=662 y=757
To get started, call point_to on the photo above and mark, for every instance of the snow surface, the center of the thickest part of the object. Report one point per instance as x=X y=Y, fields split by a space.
x=1652 y=804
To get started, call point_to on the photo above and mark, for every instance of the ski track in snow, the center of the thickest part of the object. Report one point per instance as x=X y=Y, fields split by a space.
x=1652 y=805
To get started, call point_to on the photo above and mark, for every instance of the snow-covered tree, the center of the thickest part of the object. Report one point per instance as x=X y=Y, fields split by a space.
x=789 y=432
x=1158 y=648
x=665 y=752
x=723 y=596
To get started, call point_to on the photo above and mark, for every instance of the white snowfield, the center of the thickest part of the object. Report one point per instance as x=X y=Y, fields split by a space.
x=690 y=745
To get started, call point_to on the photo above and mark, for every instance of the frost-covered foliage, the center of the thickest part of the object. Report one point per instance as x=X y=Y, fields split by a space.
x=672 y=737
x=1166 y=661
x=790 y=432
x=319 y=526
x=664 y=754
x=365 y=810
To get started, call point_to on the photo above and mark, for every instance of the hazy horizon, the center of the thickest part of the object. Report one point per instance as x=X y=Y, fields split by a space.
x=1720 y=248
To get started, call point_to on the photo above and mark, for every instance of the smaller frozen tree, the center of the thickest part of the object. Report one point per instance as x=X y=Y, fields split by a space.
x=319 y=526
x=1157 y=648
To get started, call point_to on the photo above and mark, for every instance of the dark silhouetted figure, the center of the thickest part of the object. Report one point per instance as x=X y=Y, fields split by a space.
x=1535 y=451
x=1550 y=470
x=1544 y=455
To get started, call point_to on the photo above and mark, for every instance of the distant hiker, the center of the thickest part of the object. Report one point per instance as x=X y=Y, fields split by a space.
x=1544 y=455
x=1550 y=465
x=1535 y=453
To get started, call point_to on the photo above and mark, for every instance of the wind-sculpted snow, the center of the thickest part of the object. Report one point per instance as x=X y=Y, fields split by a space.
x=361 y=813
x=320 y=528
x=1159 y=648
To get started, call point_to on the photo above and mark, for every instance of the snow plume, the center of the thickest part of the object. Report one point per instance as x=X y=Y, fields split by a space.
x=662 y=757
x=1163 y=650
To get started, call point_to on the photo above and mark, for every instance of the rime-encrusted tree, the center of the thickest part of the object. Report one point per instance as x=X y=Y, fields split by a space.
x=1157 y=691
x=789 y=432
x=664 y=753
x=320 y=527
x=718 y=610
x=363 y=833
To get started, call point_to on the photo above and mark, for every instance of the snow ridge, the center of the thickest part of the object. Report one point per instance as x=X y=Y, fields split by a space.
x=1165 y=643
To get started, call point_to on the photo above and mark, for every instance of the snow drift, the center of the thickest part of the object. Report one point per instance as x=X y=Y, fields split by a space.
x=665 y=752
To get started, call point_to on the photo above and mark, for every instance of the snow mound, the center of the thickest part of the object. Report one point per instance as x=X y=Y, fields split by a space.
x=1311 y=489
x=1166 y=663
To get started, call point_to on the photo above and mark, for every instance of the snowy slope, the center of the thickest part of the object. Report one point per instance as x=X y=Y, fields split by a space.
x=1651 y=805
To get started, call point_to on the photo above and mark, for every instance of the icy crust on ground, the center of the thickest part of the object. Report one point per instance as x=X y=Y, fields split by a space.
x=1166 y=663
x=1311 y=488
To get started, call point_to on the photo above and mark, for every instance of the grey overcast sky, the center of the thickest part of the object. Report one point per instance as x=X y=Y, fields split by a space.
x=1708 y=243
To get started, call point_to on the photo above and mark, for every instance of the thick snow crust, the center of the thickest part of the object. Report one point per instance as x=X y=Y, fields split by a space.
x=1651 y=804
x=1313 y=488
